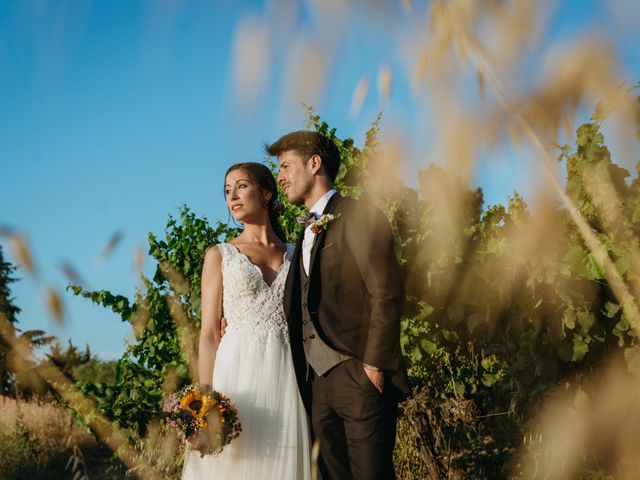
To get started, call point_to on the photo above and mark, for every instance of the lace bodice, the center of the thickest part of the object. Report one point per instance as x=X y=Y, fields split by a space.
x=252 y=307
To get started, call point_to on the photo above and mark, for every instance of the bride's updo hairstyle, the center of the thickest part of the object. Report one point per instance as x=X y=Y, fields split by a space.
x=261 y=176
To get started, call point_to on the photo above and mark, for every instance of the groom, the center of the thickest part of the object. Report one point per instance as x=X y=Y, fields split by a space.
x=343 y=301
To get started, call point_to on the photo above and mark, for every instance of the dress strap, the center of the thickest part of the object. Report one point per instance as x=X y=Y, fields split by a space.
x=225 y=249
x=227 y=252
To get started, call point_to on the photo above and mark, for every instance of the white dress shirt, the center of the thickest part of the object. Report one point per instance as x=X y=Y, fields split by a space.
x=309 y=236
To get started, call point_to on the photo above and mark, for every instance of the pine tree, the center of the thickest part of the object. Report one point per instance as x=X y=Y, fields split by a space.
x=16 y=364
x=8 y=317
x=7 y=308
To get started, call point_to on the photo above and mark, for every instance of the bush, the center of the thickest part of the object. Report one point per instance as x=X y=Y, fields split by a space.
x=502 y=304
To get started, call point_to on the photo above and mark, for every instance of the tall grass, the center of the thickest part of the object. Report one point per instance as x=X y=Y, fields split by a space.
x=40 y=440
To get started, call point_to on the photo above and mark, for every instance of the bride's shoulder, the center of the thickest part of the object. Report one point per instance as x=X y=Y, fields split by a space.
x=212 y=265
x=214 y=252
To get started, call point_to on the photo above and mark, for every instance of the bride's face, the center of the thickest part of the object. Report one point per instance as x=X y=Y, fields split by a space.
x=246 y=201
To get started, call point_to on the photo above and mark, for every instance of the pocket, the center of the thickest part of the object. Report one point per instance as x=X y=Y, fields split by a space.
x=329 y=256
x=363 y=379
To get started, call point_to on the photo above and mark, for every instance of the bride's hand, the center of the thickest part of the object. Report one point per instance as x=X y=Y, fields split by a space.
x=194 y=443
x=223 y=326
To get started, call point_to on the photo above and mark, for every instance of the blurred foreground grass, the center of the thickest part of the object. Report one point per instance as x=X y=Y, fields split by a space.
x=41 y=440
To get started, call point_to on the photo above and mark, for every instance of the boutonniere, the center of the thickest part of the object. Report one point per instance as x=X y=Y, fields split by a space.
x=323 y=222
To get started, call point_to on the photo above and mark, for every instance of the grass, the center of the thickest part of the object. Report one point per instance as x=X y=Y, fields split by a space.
x=40 y=440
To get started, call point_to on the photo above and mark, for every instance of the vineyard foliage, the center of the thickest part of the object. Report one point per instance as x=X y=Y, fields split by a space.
x=503 y=302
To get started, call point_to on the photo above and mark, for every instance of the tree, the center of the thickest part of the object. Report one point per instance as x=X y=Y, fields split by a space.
x=8 y=318
x=7 y=308
x=69 y=359
x=80 y=365
x=16 y=347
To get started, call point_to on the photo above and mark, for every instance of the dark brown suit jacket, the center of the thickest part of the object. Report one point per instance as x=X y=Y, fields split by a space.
x=355 y=292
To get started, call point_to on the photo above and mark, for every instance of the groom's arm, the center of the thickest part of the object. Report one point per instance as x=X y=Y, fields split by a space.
x=370 y=240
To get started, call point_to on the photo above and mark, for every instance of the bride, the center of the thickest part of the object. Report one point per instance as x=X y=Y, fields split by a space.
x=252 y=363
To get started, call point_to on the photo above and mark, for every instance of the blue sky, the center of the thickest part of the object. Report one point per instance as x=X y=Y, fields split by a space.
x=112 y=114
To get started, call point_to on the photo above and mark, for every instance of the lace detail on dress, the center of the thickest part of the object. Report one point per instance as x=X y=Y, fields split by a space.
x=252 y=307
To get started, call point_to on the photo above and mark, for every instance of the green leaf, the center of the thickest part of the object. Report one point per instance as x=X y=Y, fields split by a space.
x=416 y=355
x=428 y=346
x=450 y=336
x=610 y=309
x=586 y=319
x=569 y=319
x=489 y=379
x=580 y=348
x=459 y=388
x=488 y=362
x=620 y=329
x=593 y=268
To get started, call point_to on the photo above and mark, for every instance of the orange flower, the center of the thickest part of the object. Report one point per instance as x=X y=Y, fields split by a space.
x=192 y=402
x=207 y=403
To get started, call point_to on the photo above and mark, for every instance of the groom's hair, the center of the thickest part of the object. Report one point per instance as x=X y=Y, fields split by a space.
x=308 y=144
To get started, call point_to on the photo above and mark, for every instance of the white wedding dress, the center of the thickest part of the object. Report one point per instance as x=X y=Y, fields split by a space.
x=253 y=367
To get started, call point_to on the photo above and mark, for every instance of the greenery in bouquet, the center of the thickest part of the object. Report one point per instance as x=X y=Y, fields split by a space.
x=203 y=419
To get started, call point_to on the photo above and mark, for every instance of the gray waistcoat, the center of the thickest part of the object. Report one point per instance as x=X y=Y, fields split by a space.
x=320 y=356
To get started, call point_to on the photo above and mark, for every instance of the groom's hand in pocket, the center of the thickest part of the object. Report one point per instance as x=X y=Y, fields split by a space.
x=376 y=376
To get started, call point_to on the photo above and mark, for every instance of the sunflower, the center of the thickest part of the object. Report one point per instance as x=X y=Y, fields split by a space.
x=192 y=402
x=207 y=404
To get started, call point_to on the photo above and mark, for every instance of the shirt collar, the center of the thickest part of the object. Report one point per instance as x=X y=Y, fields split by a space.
x=321 y=204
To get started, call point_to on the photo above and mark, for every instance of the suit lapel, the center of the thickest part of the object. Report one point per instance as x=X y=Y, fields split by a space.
x=318 y=241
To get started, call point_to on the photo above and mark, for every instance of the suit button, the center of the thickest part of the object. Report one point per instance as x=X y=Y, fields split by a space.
x=312 y=336
x=304 y=305
x=304 y=322
x=304 y=339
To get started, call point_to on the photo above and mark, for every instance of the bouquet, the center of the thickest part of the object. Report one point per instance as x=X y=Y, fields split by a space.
x=203 y=419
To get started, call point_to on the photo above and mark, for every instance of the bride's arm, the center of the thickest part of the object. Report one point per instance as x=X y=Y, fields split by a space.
x=211 y=304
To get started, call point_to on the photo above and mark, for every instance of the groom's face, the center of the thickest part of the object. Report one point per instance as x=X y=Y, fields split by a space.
x=296 y=176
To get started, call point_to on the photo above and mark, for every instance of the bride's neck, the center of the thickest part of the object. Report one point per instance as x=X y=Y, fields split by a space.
x=258 y=233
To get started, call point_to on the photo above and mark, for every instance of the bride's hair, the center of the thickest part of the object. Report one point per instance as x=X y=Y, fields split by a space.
x=260 y=175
